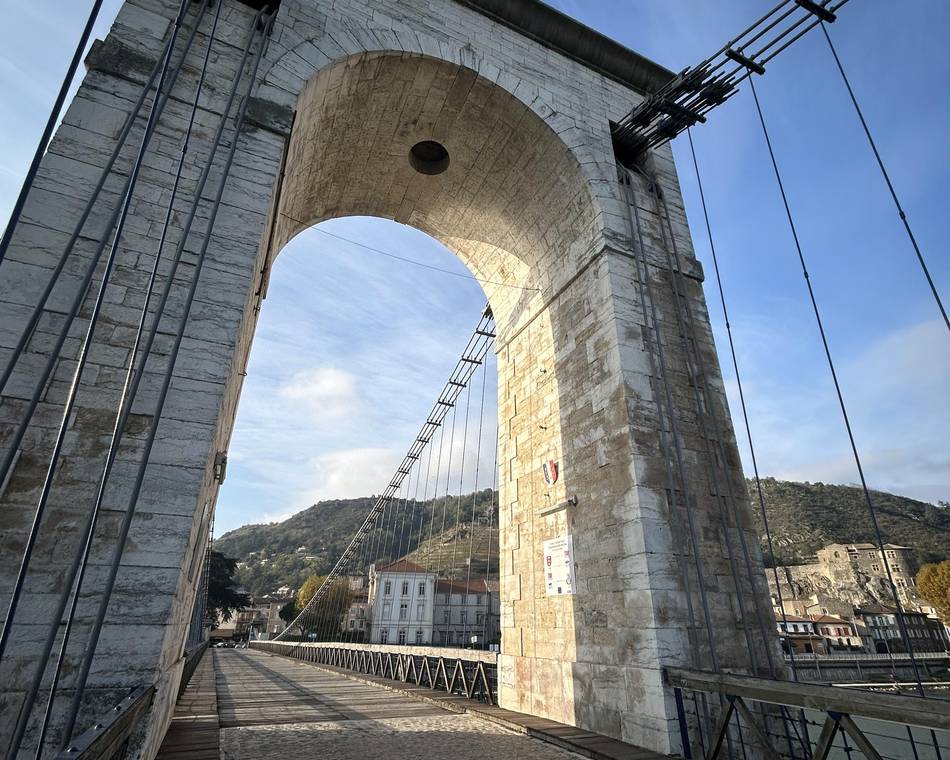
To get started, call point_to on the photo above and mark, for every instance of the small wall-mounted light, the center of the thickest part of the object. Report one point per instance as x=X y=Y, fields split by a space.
x=220 y=466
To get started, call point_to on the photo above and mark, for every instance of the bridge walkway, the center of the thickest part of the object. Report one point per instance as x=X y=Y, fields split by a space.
x=270 y=707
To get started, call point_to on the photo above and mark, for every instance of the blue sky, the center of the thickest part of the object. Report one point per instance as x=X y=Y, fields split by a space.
x=352 y=346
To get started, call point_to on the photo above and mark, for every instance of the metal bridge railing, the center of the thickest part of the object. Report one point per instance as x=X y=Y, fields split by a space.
x=732 y=716
x=466 y=673
x=108 y=738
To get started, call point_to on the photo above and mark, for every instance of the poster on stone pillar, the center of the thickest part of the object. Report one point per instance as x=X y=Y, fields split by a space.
x=559 y=566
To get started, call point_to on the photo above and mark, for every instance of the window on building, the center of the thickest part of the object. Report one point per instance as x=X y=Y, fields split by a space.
x=876 y=568
x=896 y=568
x=361 y=624
x=442 y=637
x=352 y=623
x=900 y=582
x=871 y=555
x=402 y=637
x=403 y=611
x=384 y=636
x=479 y=618
x=445 y=616
x=405 y=588
x=837 y=555
x=418 y=636
x=388 y=588
x=422 y=589
x=463 y=616
x=420 y=611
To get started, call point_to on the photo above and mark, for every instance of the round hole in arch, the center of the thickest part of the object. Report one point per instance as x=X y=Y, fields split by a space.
x=429 y=157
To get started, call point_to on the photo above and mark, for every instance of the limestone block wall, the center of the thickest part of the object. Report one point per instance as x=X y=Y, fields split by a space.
x=531 y=203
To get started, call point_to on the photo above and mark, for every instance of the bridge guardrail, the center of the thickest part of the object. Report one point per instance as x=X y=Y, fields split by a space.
x=467 y=673
x=108 y=738
x=727 y=716
x=864 y=657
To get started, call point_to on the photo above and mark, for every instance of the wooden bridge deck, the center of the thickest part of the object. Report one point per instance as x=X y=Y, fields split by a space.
x=249 y=705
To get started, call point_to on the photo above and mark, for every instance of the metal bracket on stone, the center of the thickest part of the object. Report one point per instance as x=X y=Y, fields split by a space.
x=569 y=502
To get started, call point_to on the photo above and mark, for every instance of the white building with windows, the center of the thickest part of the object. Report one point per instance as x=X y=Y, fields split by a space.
x=401 y=597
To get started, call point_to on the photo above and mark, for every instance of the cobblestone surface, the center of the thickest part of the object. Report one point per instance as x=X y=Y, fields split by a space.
x=460 y=737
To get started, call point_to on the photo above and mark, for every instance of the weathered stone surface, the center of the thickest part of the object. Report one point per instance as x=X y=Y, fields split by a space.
x=530 y=203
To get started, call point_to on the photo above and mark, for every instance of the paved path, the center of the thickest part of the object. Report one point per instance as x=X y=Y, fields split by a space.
x=273 y=707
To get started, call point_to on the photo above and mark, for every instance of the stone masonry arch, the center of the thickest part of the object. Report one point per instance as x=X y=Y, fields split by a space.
x=522 y=99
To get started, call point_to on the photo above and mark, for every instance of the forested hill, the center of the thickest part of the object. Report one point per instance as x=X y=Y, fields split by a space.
x=803 y=517
x=311 y=541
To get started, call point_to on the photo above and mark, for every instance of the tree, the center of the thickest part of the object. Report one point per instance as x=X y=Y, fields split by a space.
x=933 y=584
x=288 y=612
x=223 y=597
x=306 y=592
x=327 y=618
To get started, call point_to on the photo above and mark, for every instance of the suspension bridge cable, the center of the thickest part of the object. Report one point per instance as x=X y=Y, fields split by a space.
x=13 y=445
x=696 y=369
x=887 y=179
x=435 y=501
x=29 y=702
x=445 y=499
x=81 y=561
x=458 y=501
x=48 y=131
x=471 y=527
x=475 y=350
x=493 y=507
x=166 y=382
x=404 y=259
x=742 y=402
x=834 y=376
x=748 y=429
x=26 y=334
x=644 y=283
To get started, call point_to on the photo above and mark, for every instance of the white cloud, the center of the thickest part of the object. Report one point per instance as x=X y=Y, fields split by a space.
x=352 y=472
x=326 y=393
x=896 y=395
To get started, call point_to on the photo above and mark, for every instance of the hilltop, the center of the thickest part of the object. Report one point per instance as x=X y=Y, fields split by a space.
x=803 y=517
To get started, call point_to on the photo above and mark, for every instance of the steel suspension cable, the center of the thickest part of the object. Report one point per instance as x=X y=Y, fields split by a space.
x=838 y=392
x=696 y=371
x=166 y=380
x=742 y=402
x=158 y=103
x=493 y=507
x=458 y=501
x=887 y=179
x=645 y=287
x=26 y=707
x=80 y=561
x=122 y=213
x=397 y=543
x=472 y=355
x=48 y=131
x=471 y=527
x=435 y=501
x=445 y=499
x=426 y=506
x=745 y=419
x=699 y=363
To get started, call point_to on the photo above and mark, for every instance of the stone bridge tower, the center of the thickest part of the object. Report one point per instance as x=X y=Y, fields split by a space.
x=486 y=124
